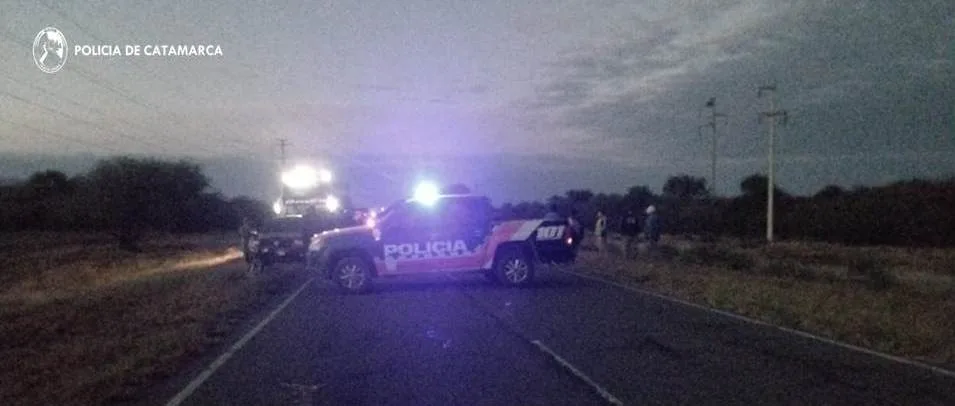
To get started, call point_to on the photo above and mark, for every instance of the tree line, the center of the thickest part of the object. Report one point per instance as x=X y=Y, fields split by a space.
x=916 y=212
x=130 y=197
x=127 y=197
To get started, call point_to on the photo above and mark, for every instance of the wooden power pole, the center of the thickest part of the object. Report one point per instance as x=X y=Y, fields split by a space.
x=772 y=115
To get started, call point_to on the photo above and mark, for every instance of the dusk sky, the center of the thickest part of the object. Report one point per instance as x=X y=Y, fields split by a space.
x=519 y=99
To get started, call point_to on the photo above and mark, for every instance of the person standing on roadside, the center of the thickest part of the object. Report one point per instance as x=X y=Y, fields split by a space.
x=245 y=232
x=600 y=231
x=631 y=231
x=573 y=221
x=651 y=229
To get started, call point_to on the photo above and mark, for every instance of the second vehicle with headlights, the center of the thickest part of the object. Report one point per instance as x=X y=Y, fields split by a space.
x=280 y=240
x=446 y=233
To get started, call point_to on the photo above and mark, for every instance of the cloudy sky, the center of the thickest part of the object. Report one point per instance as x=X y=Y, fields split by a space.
x=520 y=99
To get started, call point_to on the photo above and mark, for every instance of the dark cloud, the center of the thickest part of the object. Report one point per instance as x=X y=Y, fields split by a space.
x=476 y=89
x=570 y=93
x=871 y=77
x=582 y=72
x=622 y=60
x=612 y=90
x=377 y=88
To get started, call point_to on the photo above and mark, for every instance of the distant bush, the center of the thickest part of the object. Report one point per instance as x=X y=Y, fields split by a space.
x=124 y=196
x=667 y=252
x=872 y=272
x=713 y=255
x=910 y=213
x=789 y=269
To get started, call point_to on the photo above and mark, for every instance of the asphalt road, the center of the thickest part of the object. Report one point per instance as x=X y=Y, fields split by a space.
x=438 y=341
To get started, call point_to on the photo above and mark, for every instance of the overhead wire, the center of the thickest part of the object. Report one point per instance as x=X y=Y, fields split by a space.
x=105 y=84
x=87 y=122
x=178 y=88
x=67 y=115
x=58 y=136
x=78 y=104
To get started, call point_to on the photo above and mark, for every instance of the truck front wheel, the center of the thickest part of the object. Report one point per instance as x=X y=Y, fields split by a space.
x=513 y=268
x=352 y=274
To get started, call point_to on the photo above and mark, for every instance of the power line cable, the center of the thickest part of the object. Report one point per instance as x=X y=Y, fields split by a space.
x=176 y=87
x=90 y=123
x=60 y=136
x=100 y=112
x=104 y=84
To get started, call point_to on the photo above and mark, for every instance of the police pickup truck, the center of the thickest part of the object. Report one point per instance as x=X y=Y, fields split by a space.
x=450 y=233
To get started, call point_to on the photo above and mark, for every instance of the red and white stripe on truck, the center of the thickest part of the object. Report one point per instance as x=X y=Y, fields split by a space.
x=508 y=231
x=482 y=257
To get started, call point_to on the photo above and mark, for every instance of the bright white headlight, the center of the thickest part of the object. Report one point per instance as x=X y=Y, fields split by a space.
x=301 y=177
x=332 y=203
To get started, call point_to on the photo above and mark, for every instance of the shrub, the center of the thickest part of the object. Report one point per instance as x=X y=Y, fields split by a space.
x=711 y=255
x=872 y=272
x=790 y=269
x=667 y=252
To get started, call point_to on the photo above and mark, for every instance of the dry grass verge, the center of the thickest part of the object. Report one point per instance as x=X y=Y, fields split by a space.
x=872 y=298
x=83 y=323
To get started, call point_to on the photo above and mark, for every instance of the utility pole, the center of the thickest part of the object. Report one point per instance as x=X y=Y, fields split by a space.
x=282 y=144
x=772 y=115
x=711 y=104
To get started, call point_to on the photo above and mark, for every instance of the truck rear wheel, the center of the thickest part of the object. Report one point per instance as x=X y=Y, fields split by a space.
x=352 y=274
x=514 y=268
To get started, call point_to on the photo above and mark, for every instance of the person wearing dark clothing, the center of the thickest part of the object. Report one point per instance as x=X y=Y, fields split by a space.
x=651 y=229
x=631 y=231
x=245 y=232
x=578 y=229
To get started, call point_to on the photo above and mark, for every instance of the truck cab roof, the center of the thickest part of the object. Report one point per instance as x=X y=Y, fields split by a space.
x=471 y=206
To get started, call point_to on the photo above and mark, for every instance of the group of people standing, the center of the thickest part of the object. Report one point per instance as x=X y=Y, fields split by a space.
x=632 y=228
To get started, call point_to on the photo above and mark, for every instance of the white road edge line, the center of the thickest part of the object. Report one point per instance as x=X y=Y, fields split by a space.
x=933 y=368
x=560 y=360
x=206 y=373
x=600 y=390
